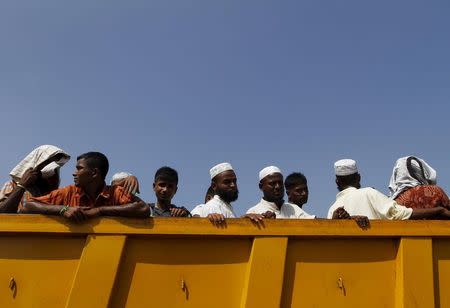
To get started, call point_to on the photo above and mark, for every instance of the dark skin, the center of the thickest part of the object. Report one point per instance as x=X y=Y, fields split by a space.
x=32 y=178
x=425 y=213
x=91 y=181
x=298 y=194
x=273 y=191
x=130 y=184
x=165 y=191
x=227 y=182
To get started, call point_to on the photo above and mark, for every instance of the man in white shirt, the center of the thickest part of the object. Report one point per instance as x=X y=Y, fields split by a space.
x=224 y=185
x=352 y=200
x=296 y=187
x=272 y=204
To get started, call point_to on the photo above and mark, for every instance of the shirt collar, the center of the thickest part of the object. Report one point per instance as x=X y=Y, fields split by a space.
x=105 y=193
x=345 y=192
x=270 y=205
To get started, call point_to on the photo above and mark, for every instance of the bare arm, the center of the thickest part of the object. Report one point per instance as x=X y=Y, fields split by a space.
x=430 y=213
x=34 y=207
x=138 y=209
x=11 y=204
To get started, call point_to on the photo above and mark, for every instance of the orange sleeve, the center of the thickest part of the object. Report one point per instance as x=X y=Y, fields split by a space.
x=56 y=197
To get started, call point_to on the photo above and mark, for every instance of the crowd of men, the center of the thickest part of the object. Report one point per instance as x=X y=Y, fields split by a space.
x=34 y=188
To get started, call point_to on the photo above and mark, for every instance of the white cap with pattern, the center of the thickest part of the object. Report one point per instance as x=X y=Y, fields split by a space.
x=345 y=167
x=268 y=171
x=217 y=169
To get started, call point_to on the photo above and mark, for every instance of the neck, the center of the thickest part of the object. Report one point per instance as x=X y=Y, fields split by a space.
x=163 y=204
x=296 y=203
x=278 y=203
x=94 y=190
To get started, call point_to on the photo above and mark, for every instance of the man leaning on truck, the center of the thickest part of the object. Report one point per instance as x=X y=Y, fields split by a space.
x=90 y=197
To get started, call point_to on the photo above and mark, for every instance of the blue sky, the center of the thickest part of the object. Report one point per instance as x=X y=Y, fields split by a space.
x=297 y=84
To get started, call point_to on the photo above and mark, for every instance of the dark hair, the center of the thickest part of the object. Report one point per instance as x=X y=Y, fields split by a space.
x=348 y=180
x=293 y=179
x=168 y=174
x=96 y=160
x=210 y=191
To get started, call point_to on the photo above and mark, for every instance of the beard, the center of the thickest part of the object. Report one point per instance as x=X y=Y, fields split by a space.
x=228 y=196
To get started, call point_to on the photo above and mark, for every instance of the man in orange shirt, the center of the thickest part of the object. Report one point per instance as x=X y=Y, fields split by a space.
x=90 y=196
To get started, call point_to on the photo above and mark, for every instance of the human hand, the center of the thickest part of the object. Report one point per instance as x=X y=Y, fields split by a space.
x=341 y=213
x=178 y=212
x=254 y=217
x=29 y=178
x=269 y=215
x=131 y=184
x=362 y=221
x=216 y=219
x=75 y=214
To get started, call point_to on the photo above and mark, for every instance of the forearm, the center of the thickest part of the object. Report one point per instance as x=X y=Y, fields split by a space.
x=11 y=204
x=428 y=213
x=136 y=209
x=34 y=207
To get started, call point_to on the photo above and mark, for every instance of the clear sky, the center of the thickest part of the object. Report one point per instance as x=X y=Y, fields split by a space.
x=297 y=84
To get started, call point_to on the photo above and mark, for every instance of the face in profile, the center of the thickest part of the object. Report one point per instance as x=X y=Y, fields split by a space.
x=83 y=175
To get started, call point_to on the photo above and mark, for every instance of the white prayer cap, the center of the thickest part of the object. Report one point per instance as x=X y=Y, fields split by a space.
x=217 y=169
x=268 y=171
x=120 y=176
x=345 y=167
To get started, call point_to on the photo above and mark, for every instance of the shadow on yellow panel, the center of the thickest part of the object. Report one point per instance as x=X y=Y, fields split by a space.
x=340 y=273
x=182 y=272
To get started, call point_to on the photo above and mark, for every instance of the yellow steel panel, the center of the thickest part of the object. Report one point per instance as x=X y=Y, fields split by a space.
x=96 y=272
x=441 y=256
x=414 y=287
x=42 y=267
x=182 y=272
x=264 y=281
x=235 y=227
x=340 y=273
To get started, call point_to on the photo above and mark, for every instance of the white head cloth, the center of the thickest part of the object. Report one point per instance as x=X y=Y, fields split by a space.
x=217 y=169
x=345 y=167
x=120 y=176
x=38 y=156
x=401 y=178
x=268 y=171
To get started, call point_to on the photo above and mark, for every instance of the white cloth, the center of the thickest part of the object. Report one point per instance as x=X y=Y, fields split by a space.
x=120 y=176
x=38 y=156
x=401 y=179
x=214 y=206
x=217 y=169
x=369 y=202
x=287 y=210
x=268 y=171
x=345 y=167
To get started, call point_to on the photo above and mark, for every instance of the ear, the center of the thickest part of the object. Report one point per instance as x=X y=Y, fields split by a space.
x=213 y=185
x=176 y=189
x=95 y=172
x=260 y=185
x=154 y=186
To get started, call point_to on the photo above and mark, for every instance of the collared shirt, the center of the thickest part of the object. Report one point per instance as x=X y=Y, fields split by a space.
x=369 y=202
x=74 y=196
x=287 y=210
x=214 y=206
x=157 y=211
